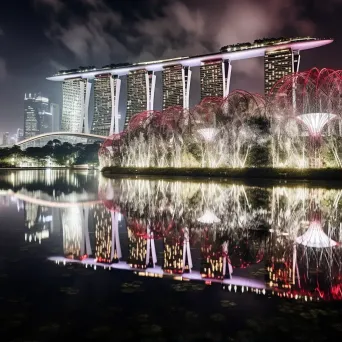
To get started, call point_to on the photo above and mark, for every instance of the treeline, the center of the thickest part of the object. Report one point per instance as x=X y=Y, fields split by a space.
x=54 y=153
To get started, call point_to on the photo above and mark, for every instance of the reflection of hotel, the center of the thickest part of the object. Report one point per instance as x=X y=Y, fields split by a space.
x=215 y=263
x=38 y=220
x=177 y=254
x=103 y=234
x=137 y=250
x=107 y=242
x=76 y=241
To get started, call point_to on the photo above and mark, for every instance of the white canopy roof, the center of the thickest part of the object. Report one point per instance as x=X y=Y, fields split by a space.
x=315 y=237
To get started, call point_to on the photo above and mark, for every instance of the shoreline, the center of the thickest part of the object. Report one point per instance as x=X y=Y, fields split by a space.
x=48 y=168
x=221 y=173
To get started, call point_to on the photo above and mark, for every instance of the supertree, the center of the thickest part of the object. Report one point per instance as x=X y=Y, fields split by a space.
x=305 y=110
x=216 y=133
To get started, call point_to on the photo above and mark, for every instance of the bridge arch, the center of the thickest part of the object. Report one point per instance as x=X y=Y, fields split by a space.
x=53 y=134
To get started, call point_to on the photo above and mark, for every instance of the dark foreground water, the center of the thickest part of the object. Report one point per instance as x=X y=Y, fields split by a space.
x=83 y=257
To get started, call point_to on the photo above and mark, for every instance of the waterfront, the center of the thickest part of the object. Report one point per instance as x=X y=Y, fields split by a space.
x=89 y=257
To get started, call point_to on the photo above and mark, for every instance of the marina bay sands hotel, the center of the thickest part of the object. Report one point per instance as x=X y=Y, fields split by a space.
x=281 y=57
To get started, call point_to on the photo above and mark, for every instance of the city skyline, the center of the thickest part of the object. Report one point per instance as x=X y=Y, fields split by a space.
x=54 y=48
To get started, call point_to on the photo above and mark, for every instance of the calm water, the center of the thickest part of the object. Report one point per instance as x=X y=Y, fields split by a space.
x=87 y=257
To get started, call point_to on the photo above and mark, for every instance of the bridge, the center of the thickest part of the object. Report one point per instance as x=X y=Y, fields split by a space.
x=54 y=134
x=51 y=134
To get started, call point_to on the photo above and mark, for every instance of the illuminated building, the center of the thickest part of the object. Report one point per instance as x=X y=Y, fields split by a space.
x=281 y=57
x=279 y=273
x=75 y=113
x=56 y=117
x=37 y=116
x=107 y=245
x=38 y=221
x=172 y=86
x=173 y=256
x=140 y=92
x=215 y=78
x=20 y=134
x=5 y=138
x=278 y=64
x=177 y=254
x=103 y=234
x=106 y=105
x=137 y=250
x=215 y=263
x=76 y=241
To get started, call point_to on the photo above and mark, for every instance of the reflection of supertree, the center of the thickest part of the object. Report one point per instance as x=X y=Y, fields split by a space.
x=304 y=260
x=303 y=106
x=161 y=203
x=217 y=132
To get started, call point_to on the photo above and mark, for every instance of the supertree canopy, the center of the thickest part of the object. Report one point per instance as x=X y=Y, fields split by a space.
x=298 y=125
x=305 y=109
x=216 y=133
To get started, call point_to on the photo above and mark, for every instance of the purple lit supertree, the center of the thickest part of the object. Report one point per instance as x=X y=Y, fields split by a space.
x=306 y=108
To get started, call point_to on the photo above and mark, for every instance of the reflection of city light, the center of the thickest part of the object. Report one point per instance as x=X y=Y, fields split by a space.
x=315 y=122
x=208 y=134
x=315 y=237
x=208 y=218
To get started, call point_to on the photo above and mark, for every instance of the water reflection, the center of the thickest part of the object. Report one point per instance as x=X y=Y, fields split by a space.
x=278 y=240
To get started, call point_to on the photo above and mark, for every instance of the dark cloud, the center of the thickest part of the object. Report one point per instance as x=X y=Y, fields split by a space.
x=173 y=28
x=3 y=69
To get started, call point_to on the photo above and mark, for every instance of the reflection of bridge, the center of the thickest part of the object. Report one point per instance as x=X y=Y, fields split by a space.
x=47 y=203
x=51 y=134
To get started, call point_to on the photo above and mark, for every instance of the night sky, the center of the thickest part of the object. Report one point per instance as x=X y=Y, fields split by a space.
x=40 y=37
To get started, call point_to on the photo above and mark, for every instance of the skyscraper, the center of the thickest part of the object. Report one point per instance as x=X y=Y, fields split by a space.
x=176 y=86
x=20 y=134
x=211 y=75
x=4 y=138
x=37 y=117
x=56 y=117
x=102 y=105
x=172 y=86
x=106 y=105
x=140 y=92
x=279 y=63
x=31 y=117
x=76 y=94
